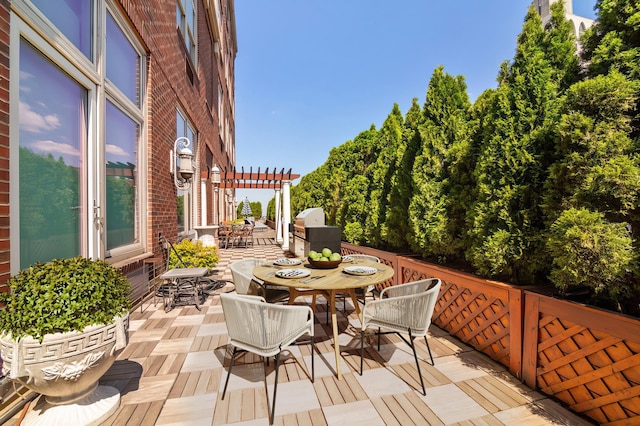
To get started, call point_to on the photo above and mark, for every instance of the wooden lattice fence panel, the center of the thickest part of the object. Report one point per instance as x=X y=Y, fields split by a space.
x=588 y=358
x=477 y=311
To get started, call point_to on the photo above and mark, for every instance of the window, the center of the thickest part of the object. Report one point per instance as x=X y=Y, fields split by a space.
x=77 y=150
x=74 y=18
x=123 y=62
x=52 y=143
x=185 y=20
x=186 y=199
x=122 y=134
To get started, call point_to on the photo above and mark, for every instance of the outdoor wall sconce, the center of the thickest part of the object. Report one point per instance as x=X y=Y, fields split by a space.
x=215 y=179
x=215 y=175
x=183 y=171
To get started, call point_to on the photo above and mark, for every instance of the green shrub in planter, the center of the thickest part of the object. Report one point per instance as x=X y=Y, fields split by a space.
x=587 y=250
x=61 y=296
x=193 y=254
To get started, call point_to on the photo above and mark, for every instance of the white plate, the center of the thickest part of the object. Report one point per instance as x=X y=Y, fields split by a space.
x=347 y=259
x=286 y=261
x=360 y=270
x=293 y=273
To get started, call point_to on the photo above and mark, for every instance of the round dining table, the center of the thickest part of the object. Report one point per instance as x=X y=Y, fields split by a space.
x=325 y=282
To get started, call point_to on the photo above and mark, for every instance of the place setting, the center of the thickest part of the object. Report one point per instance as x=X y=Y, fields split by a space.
x=291 y=273
x=359 y=270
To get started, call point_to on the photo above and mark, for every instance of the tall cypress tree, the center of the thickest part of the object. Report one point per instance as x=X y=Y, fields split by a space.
x=432 y=211
x=388 y=141
x=506 y=220
x=397 y=225
x=613 y=42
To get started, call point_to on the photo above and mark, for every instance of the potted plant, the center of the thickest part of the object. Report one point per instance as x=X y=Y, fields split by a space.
x=62 y=325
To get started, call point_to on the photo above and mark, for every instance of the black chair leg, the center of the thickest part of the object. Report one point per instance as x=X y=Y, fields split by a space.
x=313 y=371
x=275 y=389
x=327 y=314
x=429 y=349
x=361 y=349
x=226 y=382
x=415 y=356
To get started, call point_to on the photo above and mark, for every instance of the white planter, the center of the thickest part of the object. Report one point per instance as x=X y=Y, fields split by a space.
x=66 y=368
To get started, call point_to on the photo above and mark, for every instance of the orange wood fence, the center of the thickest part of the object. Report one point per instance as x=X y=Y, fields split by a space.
x=586 y=357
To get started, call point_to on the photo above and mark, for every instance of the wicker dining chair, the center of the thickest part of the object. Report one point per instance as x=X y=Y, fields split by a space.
x=404 y=309
x=265 y=329
x=246 y=283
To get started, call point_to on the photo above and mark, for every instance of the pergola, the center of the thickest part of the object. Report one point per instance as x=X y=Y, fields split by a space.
x=258 y=180
x=279 y=181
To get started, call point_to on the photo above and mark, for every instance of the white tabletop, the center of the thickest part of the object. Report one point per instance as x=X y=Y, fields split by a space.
x=184 y=273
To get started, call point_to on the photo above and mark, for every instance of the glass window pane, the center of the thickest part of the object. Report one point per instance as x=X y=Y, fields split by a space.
x=122 y=61
x=121 y=149
x=53 y=123
x=179 y=16
x=73 y=18
x=191 y=15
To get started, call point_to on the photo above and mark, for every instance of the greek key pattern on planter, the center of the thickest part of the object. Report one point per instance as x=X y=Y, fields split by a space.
x=72 y=371
x=70 y=344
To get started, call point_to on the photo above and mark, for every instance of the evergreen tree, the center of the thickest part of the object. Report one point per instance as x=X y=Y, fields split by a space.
x=613 y=42
x=433 y=207
x=388 y=143
x=397 y=226
x=507 y=225
x=598 y=171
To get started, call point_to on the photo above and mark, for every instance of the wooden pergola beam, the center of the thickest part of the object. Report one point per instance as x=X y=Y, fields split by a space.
x=255 y=180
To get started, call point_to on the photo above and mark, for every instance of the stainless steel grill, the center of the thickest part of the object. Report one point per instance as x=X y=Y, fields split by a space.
x=309 y=232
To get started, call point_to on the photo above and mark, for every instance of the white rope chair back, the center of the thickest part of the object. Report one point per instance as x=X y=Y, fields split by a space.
x=242 y=274
x=264 y=328
x=413 y=287
x=411 y=311
x=365 y=257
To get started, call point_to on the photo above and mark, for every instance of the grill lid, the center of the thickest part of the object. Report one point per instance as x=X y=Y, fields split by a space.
x=313 y=216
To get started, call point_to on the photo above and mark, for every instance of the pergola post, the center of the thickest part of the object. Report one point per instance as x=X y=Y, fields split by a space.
x=278 y=217
x=286 y=214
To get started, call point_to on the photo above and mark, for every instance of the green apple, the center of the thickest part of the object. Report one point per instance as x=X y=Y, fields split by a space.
x=335 y=256
x=326 y=252
x=313 y=254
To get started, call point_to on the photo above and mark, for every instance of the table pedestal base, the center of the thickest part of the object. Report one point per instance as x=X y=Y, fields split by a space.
x=330 y=295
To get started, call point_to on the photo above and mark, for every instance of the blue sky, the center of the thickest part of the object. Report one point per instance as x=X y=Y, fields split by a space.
x=312 y=74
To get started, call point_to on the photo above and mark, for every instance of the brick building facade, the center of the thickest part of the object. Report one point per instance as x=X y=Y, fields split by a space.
x=94 y=94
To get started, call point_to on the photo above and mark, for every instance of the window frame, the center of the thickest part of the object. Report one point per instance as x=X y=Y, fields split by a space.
x=31 y=25
x=189 y=35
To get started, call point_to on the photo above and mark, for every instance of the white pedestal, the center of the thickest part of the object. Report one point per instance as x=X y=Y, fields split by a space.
x=93 y=409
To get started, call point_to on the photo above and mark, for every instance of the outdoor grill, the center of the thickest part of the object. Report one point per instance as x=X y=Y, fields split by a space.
x=308 y=232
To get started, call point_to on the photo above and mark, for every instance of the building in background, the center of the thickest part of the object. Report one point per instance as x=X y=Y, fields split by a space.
x=94 y=95
x=580 y=23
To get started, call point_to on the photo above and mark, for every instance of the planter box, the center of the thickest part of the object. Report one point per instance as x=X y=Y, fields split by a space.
x=586 y=357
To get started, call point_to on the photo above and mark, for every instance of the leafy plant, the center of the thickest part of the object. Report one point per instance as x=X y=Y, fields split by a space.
x=588 y=250
x=193 y=254
x=61 y=296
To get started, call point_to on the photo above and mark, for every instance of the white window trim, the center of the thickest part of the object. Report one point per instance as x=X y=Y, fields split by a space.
x=23 y=19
